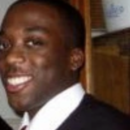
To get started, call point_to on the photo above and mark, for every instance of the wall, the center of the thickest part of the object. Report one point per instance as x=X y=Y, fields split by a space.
x=111 y=69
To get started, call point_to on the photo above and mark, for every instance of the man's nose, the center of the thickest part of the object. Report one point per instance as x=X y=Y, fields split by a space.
x=15 y=56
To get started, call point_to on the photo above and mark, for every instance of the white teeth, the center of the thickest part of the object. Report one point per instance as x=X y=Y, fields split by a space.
x=18 y=80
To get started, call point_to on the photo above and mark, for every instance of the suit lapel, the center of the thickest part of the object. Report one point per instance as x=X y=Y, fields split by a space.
x=73 y=122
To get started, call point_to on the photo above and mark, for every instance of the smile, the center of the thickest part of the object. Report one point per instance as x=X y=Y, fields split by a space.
x=16 y=81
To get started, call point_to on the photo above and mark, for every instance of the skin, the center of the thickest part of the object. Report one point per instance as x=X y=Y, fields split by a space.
x=33 y=46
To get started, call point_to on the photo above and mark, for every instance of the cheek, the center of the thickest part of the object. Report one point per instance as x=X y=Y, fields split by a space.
x=2 y=66
x=42 y=68
x=3 y=69
x=49 y=68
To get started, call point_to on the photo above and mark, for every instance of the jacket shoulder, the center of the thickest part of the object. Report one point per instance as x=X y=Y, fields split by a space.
x=96 y=115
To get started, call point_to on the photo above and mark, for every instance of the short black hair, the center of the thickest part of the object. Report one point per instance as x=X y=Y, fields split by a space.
x=72 y=20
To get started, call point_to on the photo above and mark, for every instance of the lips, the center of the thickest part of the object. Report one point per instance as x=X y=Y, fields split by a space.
x=17 y=83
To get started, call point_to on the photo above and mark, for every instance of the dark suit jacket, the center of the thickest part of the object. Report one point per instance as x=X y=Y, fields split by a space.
x=95 y=115
x=4 y=125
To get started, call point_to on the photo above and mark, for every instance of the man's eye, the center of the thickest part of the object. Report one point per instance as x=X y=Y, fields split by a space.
x=4 y=46
x=35 y=43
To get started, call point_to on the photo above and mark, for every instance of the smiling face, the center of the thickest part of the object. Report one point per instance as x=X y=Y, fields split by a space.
x=35 y=64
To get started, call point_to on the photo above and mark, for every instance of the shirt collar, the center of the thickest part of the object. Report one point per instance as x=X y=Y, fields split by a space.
x=54 y=113
x=25 y=121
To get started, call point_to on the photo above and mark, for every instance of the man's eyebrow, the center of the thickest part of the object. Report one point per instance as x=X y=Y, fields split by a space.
x=36 y=28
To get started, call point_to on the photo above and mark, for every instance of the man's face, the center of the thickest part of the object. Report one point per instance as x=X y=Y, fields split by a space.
x=35 y=64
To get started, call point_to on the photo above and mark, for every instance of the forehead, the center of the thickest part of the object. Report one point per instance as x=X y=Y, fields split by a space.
x=31 y=12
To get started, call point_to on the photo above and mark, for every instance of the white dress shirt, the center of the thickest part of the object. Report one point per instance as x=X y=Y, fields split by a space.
x=56 y=111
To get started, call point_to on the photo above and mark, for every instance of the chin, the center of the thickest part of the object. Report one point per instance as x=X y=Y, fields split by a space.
x=17 y=106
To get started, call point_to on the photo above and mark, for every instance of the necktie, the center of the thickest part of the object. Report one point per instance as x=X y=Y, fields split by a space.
x=24 y=128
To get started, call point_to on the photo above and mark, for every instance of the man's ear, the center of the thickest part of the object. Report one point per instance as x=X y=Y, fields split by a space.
x=76 y=59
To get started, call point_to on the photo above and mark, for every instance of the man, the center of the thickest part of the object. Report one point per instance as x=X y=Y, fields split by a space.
x=41 y=54
x=4 y=125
